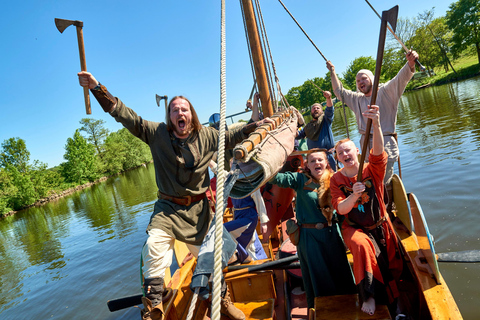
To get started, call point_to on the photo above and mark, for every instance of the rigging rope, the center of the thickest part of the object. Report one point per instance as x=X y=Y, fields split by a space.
x=344 y=113
x=302 y=30
x=265 y=45
x=248 y=46
x=220 y=205
x=315 y=85
x=343 y=104
x=192 y=304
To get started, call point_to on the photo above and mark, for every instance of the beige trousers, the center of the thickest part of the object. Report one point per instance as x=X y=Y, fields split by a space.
x=157 y=253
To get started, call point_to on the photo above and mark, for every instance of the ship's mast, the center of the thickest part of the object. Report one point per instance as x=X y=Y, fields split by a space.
x=258 y=58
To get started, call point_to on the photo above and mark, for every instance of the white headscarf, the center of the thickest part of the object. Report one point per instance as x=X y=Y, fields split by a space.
x=368 y=73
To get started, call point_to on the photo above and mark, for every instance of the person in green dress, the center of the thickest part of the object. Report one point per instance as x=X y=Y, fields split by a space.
x=321 y=251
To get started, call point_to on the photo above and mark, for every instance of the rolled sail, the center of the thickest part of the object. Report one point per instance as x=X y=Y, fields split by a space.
x=266 y=152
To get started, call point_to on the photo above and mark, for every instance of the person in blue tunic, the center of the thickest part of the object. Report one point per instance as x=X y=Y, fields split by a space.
x=321 y=251
x=319 y=131
x=246 y=212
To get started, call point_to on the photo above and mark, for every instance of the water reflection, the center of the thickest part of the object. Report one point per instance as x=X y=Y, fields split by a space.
x=41 y=247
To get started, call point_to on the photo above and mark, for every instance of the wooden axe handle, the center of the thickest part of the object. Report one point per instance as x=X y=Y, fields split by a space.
x=83 y=65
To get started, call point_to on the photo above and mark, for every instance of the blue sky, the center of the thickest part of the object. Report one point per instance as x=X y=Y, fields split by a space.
x=142 y=48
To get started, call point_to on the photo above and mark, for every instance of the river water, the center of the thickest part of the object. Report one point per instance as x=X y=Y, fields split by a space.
x=64 y=260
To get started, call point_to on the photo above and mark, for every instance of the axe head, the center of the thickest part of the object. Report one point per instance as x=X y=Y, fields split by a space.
x=63 y=24
x=159 y=98
x=391 y=17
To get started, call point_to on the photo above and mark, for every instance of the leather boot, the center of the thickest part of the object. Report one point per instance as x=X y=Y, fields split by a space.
x=228 y=309
x=152 y=302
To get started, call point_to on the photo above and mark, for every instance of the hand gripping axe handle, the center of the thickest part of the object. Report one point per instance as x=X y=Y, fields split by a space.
x=62 y=24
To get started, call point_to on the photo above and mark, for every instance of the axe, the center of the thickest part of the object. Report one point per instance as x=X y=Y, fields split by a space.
x=422 y=68
x=63 y=24
x=389 y=16
x=160 y=98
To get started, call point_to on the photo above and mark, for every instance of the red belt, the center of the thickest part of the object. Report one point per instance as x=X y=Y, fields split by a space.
x=184 y=201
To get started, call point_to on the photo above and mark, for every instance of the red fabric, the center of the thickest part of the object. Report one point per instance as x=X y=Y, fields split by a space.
x=279 y=201
x=358 y=242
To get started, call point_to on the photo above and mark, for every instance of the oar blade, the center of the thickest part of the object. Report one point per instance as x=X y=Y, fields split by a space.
x=460 y=256
x=125 y=302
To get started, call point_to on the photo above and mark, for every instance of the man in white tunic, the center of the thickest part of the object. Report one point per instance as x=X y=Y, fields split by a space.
x=388 y=97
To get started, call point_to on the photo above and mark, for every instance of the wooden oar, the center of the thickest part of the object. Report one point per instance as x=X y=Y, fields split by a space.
x=287 y=266
x=263 y=266
x=283 y=263
x=387 y=16
x=472 y=256
x=125 y=302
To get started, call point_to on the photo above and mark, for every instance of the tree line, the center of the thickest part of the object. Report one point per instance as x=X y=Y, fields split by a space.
x=438 y=42
x=94 y=154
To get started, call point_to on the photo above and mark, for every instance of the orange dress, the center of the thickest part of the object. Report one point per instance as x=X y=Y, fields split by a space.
x=377 y=263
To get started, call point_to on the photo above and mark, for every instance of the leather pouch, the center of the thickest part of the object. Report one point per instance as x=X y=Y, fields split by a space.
x=293 y=231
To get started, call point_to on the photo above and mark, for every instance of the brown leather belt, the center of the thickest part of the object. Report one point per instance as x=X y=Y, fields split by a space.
x=184 y=201
x=318 y=226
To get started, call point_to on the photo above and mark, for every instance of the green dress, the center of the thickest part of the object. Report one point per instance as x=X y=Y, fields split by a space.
x=323 y=261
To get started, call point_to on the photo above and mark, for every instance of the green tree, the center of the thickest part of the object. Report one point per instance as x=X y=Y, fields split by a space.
x=356 y=65
x=432 y=40
x=308 y=93
x=15 y=153
x=293 y=97
x=26 y=193
x=463 y=19
x=45 y=180
x=393 y=61
x=124 y=151
x=7 y=191
x=81 y=164
x=96 y=132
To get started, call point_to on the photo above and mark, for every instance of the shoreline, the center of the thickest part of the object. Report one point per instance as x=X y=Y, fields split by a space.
x=64 y=193
x=445 y=80
x=56 y=196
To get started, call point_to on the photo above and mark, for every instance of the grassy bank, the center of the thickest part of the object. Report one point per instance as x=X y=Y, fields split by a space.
x=465 y=67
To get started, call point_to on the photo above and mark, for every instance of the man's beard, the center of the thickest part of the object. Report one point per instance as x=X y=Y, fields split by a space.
x=368 y=88
x=179 y=132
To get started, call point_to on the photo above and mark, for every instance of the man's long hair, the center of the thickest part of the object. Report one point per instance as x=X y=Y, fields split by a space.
x=195 y=126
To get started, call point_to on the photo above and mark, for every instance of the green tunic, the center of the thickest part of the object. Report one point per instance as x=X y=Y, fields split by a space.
x=323 y=261
x=181 y=169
